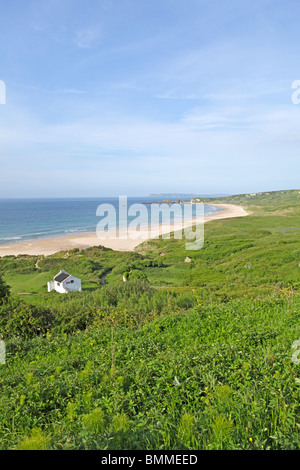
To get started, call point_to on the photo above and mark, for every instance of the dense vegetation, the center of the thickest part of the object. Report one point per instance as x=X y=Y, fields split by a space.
x=181 y=356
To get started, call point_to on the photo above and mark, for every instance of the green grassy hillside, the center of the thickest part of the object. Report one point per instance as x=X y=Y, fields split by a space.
x=183 y=355
x=266 y=203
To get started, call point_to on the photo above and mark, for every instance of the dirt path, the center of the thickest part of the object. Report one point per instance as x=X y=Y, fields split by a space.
x=103 y=283
x=37 y=263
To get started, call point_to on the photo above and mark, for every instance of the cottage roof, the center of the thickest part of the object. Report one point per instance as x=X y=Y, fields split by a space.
x=62 y=276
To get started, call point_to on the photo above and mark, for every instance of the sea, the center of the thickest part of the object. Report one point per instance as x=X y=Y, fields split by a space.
x=23 y=220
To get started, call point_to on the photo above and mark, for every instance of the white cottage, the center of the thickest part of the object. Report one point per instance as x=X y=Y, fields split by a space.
x=64 y=282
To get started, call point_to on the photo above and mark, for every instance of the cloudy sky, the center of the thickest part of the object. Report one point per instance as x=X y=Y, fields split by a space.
x=132 y=97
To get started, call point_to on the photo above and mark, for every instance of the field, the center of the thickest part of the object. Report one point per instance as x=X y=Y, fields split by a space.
x=181 y=356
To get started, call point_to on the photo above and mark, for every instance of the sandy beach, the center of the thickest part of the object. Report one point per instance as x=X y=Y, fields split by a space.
x=121 y=242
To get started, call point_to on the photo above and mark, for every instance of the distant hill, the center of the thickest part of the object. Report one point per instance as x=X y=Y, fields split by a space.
x=281 y=203
x=184 y=196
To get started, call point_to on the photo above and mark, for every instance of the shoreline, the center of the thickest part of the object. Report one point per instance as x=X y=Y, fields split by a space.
x=50 y=246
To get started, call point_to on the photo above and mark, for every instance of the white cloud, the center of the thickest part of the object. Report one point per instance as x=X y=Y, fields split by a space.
x=85 y=38
x=70 y=91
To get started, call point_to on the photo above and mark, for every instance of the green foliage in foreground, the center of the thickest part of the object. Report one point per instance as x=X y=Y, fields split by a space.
x=213 y=377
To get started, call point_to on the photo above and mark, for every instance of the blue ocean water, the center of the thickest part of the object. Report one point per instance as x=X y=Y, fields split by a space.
x=31 y=219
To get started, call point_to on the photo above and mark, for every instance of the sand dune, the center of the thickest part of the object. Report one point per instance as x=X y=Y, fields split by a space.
x=123 y=241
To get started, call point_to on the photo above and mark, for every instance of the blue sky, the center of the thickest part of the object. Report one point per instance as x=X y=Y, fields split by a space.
x=132 y=97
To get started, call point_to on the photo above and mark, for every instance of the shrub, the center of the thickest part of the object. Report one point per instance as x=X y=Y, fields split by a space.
x=136 y=274
x=185 y=301
x=4 y=290
x=18 y=319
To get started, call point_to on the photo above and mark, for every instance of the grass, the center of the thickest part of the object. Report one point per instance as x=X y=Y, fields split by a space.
x=217 y=377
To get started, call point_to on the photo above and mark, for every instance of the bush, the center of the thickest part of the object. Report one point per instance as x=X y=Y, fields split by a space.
x=18 y=319
x=4 y=290
x=185 y=301
x=121 y=268
x=136 y=274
